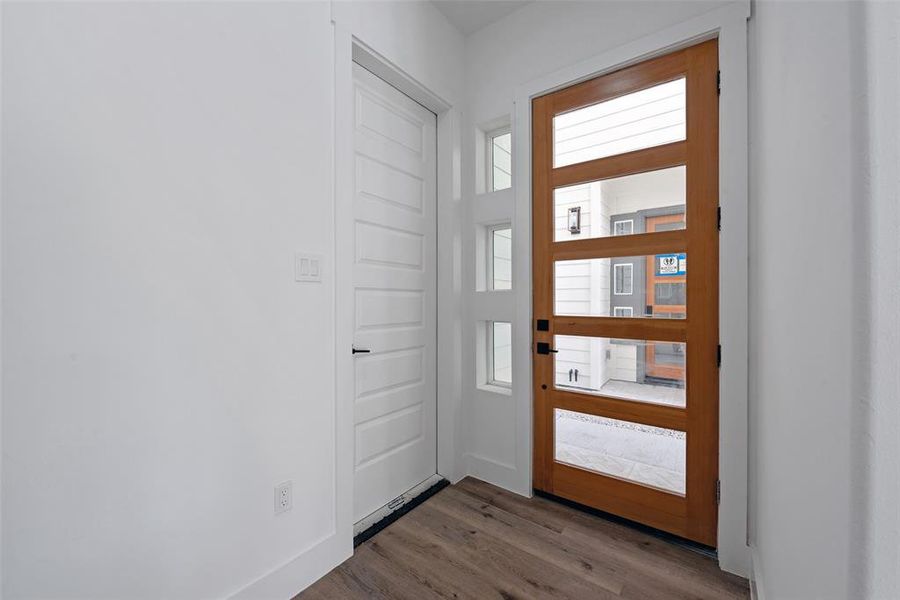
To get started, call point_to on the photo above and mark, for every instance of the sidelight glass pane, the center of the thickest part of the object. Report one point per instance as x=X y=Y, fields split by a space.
x=627 y=286
x=637 y=370
x=643 y=119
x=651 y=456
x=501 y=258
x=620 y=206
x=501 y=352
x=501 y=161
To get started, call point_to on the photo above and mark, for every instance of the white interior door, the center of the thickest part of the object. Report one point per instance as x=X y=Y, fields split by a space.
x=394 y=286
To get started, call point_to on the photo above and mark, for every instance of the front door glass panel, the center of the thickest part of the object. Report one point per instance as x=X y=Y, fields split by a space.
x=637 y=370
x=618 y=206
x=650 y=456
x=643 y=119
x=624 y=286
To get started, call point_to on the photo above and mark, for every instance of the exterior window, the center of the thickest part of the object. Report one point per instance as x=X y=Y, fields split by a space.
x=624 y=227
x=500 y=260
x=499 y=160
x=500 y=360
x=624 y=276
x=672 y=294
x=623 y=311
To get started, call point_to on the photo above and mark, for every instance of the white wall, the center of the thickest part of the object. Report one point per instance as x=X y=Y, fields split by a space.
x=809 y=270
x=826 y=479
x=162 y=163
x=162 y=370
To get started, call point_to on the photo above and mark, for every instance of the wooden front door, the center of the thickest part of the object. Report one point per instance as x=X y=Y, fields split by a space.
x=625 y=191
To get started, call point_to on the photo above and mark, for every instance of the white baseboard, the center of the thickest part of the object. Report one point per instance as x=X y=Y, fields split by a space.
x=496 y=473
x=309 y=566
x=457 y=476
x=756 y=588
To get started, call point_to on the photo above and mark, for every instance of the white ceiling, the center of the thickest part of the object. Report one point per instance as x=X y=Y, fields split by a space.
x=471 y=15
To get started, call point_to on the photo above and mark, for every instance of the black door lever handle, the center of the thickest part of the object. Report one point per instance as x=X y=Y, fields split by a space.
x=358 y=351
x=544 y=348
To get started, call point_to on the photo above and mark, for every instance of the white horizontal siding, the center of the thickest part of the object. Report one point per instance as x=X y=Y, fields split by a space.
x=574 y=353
x=643 y=119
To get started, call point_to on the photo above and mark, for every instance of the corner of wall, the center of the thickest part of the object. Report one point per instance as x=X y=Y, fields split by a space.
x=756 y=585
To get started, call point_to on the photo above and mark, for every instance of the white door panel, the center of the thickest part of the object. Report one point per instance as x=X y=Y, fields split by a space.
x=384 y=371
x=371 y=212
x=398 y=163
x=377 y=115
x=400 y=340
x=394 y=279
x=381 y=183
x=397 y=430
x=388 y=247
x=373 y=278
x=376 y=404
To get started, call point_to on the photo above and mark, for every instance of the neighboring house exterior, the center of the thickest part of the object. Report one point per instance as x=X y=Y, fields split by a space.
x=622 y=286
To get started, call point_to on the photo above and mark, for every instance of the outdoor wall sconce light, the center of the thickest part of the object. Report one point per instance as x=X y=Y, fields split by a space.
x=575 y=220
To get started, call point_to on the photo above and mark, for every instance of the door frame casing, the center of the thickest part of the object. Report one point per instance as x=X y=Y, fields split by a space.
x=729 y=25
x=349 y=49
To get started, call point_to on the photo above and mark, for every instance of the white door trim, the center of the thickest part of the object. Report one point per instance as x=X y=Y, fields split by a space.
x=729 y=24
x=349 y=49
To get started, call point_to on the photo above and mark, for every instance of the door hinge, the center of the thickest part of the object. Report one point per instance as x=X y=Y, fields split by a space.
x=718 y=492
x=719 y=218
x=719 y=355
x=719 y=82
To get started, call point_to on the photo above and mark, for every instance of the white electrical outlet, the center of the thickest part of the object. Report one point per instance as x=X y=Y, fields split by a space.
x=284 y=497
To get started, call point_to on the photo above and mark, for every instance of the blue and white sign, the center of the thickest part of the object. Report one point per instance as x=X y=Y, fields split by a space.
x=671 y=264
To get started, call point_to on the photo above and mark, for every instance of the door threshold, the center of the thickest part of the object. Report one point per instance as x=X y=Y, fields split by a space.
x=657 y=533
x=367 y=527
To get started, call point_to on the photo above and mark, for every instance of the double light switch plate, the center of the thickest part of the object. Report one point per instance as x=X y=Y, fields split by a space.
x=308 y=267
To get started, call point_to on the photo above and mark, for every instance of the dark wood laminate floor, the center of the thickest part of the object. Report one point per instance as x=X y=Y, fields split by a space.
x=474 y=540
